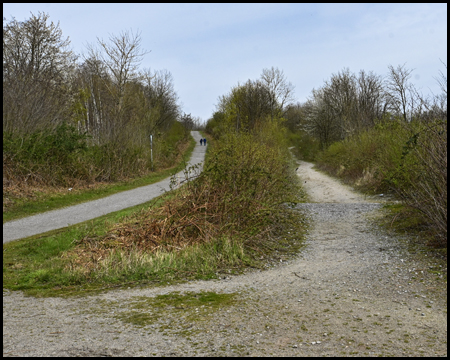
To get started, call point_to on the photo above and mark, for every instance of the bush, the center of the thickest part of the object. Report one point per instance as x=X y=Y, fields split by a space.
x=43 y=156
x=421 y=180
x=306 y=147
x=369 y=160
x=408 y=159
x=63 y=156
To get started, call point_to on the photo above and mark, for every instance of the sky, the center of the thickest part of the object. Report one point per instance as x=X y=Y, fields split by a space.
x=211 y=48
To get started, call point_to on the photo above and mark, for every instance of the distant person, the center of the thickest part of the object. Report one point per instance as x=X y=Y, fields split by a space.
x=204 y=141
x=201 y=142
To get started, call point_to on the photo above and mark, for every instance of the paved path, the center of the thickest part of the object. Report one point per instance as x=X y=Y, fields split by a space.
x=71 y=215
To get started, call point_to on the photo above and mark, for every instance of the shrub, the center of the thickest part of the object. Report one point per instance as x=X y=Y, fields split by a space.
x=421 y=180
x=236 y=200
x=409 y=159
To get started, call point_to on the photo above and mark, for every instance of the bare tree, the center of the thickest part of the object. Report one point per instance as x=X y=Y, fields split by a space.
x=121 y=57
x=281 y=92
x=371 y=98
x=92 y=79
x=399 y=89
x=37 y=66
x=187 y=121
x=321 y=121
x=162 y=99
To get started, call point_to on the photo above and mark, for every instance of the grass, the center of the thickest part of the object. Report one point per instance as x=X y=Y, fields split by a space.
x=182 y=235
x=46 y=264
x=192 y=306
x=36 y=265
x=402 y=219
x=47 y=201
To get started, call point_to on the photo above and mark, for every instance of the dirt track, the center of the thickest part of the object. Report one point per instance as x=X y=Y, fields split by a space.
x=353 y=291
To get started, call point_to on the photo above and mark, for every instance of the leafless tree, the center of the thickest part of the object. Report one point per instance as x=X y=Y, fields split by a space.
x=120 y=59
x=37 y=67
x=187 y=121
x=371 y=98
x=399 y=90
x=122 y=55
x=281 y=92
x=340 y=96
x=321 y=121
x=162 y=99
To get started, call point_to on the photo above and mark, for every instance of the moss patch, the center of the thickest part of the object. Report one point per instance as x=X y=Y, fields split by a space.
x=186 y=308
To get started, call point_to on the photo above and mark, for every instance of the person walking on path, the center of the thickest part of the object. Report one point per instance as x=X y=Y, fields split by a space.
x=201 y=142
x=204 y=141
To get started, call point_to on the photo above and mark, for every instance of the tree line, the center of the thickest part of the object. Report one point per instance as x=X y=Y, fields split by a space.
x=102 y=95
x=349 y=103
x=377 y=131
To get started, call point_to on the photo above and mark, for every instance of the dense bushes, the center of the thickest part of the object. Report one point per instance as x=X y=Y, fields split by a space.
x=423 y=175
x=227 y=214
x=369 y=159
x=64 y=156
x=409 y=159
x=247 y=177
x=43 y=156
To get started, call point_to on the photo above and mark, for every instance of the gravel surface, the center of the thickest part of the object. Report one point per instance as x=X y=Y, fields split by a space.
x=353 y=291
x=61 y=218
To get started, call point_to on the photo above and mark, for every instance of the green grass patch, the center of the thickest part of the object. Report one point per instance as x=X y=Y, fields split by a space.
x=39 y=265
x=224 y=222
x=193 y=307
x=36 y=264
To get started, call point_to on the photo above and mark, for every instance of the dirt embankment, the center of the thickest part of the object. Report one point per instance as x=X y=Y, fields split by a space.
x=354 y=290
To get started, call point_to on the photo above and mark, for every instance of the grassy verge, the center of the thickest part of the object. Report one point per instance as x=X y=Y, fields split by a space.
x=46 y=264
x=404 y=220
x=56 y=200
x=190 y=233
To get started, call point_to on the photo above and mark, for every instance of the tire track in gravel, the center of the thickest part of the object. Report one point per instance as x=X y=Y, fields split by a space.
x=353 y=291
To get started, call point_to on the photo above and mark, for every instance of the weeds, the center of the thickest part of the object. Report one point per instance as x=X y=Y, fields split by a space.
x=221 y=217
x=409 y=160
x=230 y=217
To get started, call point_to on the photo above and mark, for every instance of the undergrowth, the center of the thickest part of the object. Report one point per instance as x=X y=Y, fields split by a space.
x=65 y=158
x=407 y=160
x=22 y=198
x=231 y=217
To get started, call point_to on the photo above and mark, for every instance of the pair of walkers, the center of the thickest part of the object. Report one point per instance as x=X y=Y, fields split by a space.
x=203 y=142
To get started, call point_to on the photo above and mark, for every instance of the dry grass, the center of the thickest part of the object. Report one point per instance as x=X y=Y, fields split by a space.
x=237 y=197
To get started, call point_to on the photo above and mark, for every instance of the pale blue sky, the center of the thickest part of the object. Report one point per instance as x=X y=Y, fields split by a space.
x=209 y=48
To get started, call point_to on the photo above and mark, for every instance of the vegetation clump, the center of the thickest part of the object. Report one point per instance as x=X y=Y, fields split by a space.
x=381 y=135
x=228 y=213
x=70 y=123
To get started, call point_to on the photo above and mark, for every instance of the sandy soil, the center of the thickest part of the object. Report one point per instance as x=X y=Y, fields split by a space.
x=353 y=291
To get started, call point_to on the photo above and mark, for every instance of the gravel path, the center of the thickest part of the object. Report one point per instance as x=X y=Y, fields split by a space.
x=61 y=218
x=353 y=291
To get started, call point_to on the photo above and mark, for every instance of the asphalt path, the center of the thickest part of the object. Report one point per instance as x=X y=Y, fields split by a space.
x=56 y=219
